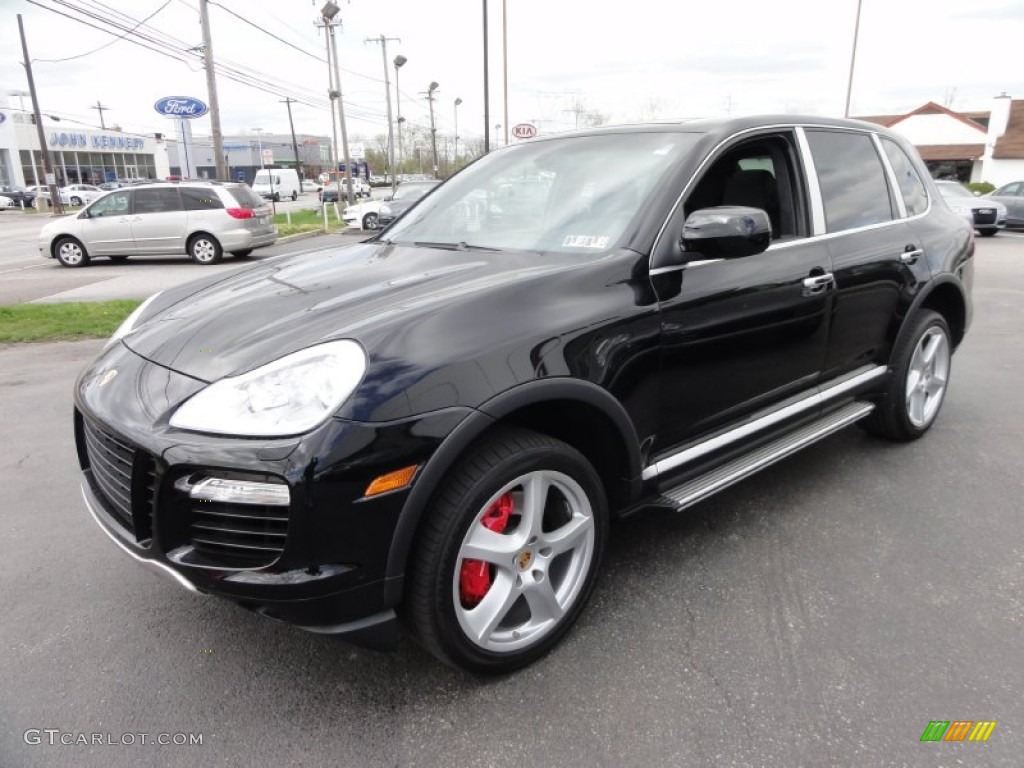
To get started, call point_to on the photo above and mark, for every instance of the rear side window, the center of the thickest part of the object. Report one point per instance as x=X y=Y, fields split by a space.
x=911 y=187
x=157 y=200
x=852 y=179
x=198 y=199
x=245 y=197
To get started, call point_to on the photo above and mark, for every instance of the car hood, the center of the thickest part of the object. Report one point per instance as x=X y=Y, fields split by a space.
x=370 y=292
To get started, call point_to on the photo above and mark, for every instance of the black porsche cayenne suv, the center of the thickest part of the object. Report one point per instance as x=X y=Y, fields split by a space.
x=438 y=423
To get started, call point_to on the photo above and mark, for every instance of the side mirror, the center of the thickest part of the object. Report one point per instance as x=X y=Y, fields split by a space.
x=726 y=232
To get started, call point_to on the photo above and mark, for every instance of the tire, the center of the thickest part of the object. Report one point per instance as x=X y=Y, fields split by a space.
x=204 y=249
x=538 y=573
x=241 y=254
x=920 y=366
x=277 y=197
x=295 y=196
x=118 y=258
x=76 y=201
x=71 y=253
x=988 y=232
x=370 y=221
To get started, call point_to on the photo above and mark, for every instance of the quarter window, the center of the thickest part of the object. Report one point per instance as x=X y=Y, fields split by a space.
x=158 y=200
x=198 y=199
x=911 y=187
x=852 y=179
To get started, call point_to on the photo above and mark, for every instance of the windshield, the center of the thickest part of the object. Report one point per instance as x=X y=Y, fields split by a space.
x=575 y=194
x=951 y=189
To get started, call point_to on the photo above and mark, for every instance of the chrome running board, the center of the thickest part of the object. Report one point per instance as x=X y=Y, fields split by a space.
x=692 y=491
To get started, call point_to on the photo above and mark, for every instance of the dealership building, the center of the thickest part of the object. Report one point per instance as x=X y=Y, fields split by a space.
x=79 y=155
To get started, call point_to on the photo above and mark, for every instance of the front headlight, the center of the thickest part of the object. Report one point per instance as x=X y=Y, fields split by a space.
x=129 y=322
x=289 y=396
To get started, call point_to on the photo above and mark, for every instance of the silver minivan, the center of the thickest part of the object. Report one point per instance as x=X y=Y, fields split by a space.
x=200 y=219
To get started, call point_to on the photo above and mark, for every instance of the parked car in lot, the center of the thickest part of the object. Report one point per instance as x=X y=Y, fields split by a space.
x=311 y=185
x=988 y=216
x=1012 y=196
x=363 y=215
x=200 y=219
x=329 y=193
x=80 y=194
x=440 y=421
x=21 y=196
x=406 y=195
x=7 y=204
x=276 y=184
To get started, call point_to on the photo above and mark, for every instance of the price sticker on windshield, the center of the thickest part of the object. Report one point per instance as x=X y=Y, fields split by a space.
x=586 y=241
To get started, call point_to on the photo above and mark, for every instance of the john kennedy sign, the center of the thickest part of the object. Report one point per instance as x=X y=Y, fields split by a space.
x=181 y=107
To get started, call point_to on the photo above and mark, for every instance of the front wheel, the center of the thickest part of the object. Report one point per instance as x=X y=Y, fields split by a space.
x=71 y=253
x=508 y=554
x=920 y=365
x=295 y=196
x=204 y=249
x=370 y=221
x=76 y=201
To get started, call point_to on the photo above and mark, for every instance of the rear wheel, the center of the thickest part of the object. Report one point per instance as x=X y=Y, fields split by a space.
x=508 y=554
x=370 y=221
x=921 y=365
x=71 y=253
x=204 y=249
x=295 y=195
x=76 y=201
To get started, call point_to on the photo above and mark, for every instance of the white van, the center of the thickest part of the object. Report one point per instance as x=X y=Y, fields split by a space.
x=276 y=183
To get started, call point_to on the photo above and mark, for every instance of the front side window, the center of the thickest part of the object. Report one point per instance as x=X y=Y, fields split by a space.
x=157 y=200
x=114 y=204
x=571 y=195
x=915 y=197
x=852 y=179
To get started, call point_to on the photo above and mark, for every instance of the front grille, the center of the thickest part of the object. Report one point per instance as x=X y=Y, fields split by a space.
x=123 y=479
x=238 y=535
x=986 y=217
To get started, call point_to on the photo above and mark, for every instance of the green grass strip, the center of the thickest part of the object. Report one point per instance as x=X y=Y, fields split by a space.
x=307 y=221
x=55 y=322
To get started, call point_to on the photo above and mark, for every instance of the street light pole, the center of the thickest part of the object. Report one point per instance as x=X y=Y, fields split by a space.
x=853 y=60
x=399 y=62
x=387 y=94
x=433 y=130
x=456 y=157
x=211 y=87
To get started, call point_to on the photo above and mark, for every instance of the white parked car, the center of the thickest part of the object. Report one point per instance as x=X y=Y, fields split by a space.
x=311 y=185
x=6 y=202
x=80 y=194
x=363 y=215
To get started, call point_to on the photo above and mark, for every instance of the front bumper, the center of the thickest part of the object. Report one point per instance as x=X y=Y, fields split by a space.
x=319 y=563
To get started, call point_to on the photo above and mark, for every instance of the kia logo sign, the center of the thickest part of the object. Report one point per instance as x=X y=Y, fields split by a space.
x=181 y=107
x=524 y=131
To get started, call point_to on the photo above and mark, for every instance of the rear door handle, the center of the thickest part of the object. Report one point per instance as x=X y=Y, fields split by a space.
x=911 y=255
x=817 y=284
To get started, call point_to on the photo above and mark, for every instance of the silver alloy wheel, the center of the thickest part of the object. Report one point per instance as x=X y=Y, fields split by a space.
x=203 y=250
x=927 y=376
x=70 y=253
x=537 y=573
x=370 y=221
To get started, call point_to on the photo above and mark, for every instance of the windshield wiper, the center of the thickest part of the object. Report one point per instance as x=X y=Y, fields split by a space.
x=460 y=246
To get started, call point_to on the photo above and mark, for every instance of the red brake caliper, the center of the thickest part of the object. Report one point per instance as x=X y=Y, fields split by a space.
x=475 y=575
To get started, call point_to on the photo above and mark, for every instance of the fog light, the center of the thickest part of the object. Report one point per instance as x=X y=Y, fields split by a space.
x=392 y=481
x=236 y=491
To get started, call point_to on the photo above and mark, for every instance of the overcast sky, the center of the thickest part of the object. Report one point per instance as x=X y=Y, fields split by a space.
x=642 y=59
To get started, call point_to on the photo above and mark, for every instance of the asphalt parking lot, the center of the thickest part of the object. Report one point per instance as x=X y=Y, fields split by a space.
x=821 y=613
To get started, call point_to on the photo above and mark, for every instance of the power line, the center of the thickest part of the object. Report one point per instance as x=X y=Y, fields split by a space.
x=107 y=45
x=268 y=33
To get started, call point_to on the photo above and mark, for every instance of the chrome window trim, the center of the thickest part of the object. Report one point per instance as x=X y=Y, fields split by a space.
x=810 y=401
x=890 y=175
x=813 y=186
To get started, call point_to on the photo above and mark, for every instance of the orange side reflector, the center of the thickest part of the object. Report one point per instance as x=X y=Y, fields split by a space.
x=392 y=481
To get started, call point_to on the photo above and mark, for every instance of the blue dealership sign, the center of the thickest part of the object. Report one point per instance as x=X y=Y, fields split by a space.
x=181 y=107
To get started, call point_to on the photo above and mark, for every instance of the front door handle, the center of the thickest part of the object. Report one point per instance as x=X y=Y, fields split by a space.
x=911 y=254
x=817 y=284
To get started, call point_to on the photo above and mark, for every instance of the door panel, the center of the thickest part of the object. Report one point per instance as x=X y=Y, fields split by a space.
x=158 y=225
x=108 y=230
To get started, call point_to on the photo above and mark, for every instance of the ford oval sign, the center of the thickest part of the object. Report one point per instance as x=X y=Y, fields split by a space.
x=182 y=107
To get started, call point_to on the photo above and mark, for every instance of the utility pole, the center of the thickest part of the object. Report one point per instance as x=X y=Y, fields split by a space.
x=399 y=62
x=329 y=12
x=101 y=109
x=334 y=115
x=43 y=152
x=295 y=145
x=387 y=94
x=487 y=92
x=504 y=59
x=433 y=131
x=853 y=61
x=211 y=87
